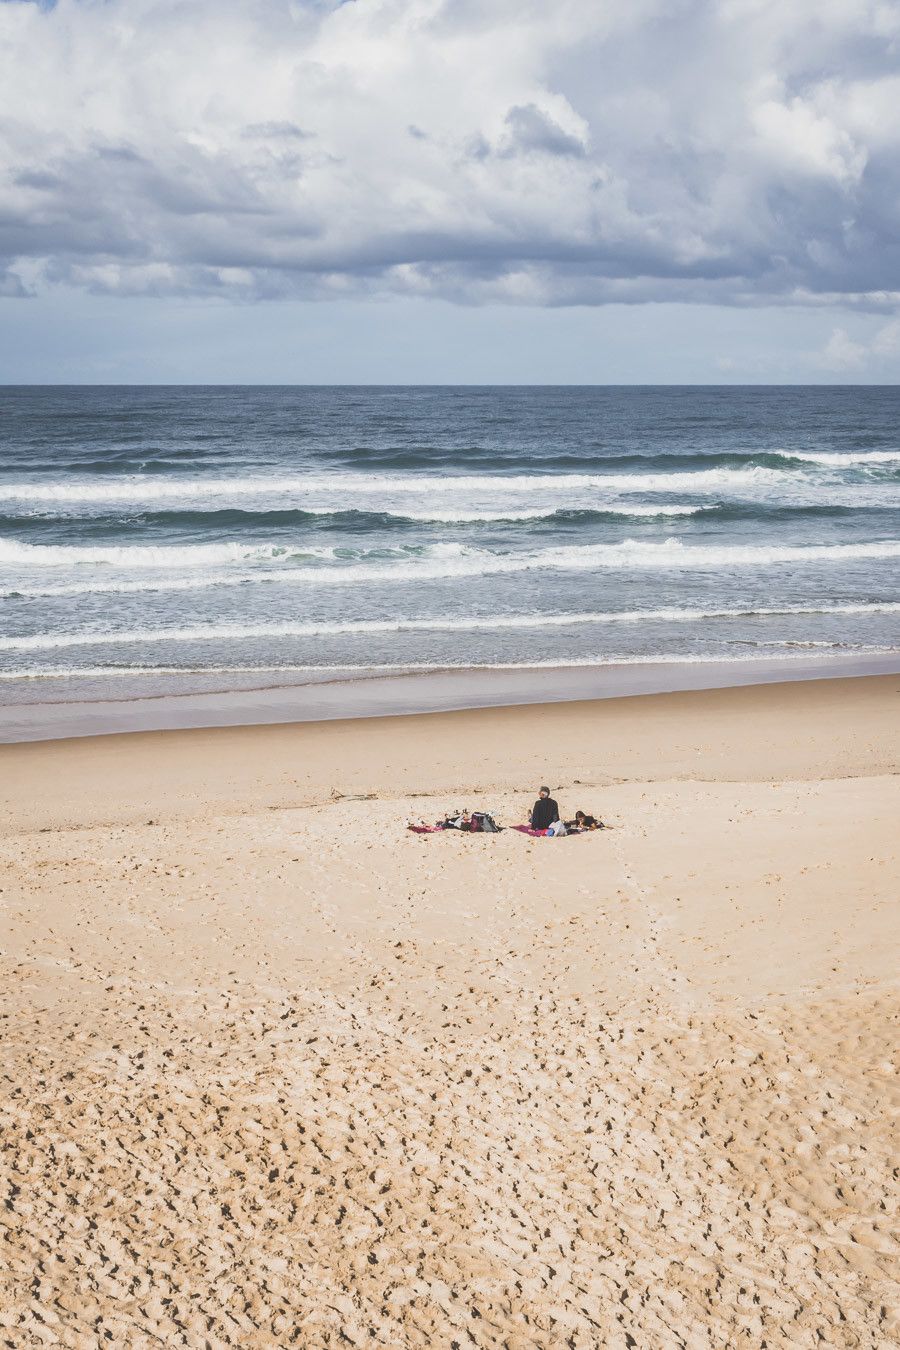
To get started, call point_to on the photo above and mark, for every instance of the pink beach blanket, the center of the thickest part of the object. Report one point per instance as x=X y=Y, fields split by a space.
x=522 y=829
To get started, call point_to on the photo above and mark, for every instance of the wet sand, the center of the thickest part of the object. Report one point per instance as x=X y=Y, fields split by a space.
x=35 y=709
x=277 y=1072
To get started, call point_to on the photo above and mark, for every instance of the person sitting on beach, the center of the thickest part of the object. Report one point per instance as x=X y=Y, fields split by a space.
x=545 y=811
x=583 y=821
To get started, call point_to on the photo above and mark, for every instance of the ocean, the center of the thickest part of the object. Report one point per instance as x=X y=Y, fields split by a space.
x=160 y=540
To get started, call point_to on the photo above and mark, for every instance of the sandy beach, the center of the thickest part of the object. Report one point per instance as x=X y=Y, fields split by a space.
x=277 y=1072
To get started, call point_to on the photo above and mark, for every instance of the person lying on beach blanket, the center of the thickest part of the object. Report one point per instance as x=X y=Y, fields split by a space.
x=558 y=828
x=583 y=822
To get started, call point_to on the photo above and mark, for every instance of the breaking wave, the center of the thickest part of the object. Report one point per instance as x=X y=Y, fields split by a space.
x=336 y=486
x=324 y=566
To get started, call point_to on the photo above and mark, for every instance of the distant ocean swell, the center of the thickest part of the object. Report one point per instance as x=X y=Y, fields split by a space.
x=185 y=461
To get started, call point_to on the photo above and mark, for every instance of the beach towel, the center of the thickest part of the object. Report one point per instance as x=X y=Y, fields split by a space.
x=426 y=829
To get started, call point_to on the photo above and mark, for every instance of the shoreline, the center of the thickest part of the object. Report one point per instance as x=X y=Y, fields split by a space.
x=411 y=692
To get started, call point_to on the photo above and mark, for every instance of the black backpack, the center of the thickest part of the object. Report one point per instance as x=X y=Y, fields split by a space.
x=482 y=821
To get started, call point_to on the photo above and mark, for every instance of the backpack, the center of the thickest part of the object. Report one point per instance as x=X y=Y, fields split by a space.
x=482 y=821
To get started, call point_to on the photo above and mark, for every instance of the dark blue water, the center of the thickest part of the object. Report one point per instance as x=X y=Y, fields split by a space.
x=175 y=538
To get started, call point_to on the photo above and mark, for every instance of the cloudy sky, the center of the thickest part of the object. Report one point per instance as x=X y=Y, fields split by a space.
x=444 y=190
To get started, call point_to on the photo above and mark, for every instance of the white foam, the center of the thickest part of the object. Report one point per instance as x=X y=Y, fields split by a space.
x=163 y=556
x=341 y=487
x=842 y=459
x=14 y=553
x=435 y=562
x=234 y=632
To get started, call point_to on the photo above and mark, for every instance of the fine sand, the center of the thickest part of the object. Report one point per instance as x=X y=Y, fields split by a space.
x=276 y=1072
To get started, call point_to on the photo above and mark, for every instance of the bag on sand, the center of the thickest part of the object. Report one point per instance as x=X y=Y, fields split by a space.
x=484 y=822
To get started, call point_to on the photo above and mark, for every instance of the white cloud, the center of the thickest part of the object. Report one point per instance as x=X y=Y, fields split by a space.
x=805 y=141
x=735 y=151
x=842 y=353
x=887 y=340
x=875 y=355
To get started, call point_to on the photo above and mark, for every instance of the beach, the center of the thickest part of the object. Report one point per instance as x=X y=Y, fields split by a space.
x=279 y=1072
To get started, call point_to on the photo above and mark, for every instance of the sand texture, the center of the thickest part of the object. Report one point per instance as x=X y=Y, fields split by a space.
x=276 y=1072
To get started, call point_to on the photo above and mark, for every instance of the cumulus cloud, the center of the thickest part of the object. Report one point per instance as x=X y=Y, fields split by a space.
x=877 y=354
x=717 y=151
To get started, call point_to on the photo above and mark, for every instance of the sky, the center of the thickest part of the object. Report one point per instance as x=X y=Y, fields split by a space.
x=450 y=191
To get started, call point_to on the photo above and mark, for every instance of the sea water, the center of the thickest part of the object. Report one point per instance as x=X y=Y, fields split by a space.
x=157 y=540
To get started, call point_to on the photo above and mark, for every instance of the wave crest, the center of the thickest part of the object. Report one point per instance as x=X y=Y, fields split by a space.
x=436 y=563
x=341 y=486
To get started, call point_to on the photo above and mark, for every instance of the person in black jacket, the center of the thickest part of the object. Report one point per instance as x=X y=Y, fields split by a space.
x=545 y=811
